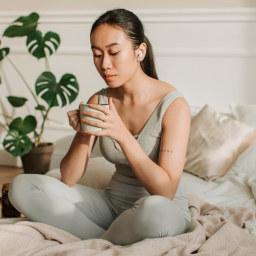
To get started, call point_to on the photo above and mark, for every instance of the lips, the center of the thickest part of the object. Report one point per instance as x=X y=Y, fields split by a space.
x=108 y=75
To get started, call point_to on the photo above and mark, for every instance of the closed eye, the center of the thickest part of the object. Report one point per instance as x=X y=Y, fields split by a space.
x=97 y=56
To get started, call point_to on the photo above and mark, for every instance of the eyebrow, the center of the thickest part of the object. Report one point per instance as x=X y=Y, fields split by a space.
x=107 y=46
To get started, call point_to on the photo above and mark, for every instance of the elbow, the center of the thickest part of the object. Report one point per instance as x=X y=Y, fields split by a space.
x=68 y=184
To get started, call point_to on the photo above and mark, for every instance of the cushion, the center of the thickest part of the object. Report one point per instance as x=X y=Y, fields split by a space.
x=245 y=113
x=98 y=173
x=215 y=143
x=194 y=110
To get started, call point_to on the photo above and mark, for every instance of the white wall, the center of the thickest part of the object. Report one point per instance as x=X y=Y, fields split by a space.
x=207 y=54
x=74 y=5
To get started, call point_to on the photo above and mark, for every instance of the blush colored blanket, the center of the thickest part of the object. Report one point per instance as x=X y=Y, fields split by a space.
x=214 y=231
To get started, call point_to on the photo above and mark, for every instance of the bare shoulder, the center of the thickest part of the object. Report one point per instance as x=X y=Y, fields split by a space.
x=94 y=99
x=179 y=108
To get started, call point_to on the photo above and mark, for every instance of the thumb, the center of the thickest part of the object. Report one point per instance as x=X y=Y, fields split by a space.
x=111 y=104
x=80 y=104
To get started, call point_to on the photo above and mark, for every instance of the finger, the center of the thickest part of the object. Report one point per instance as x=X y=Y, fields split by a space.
x=96 y=115
x=95 y=123
x=111 y=105
x=76 y=125
x=72 y=112
x=73 y=117
x=99 y=107
x=72 y=121
x=80 y=104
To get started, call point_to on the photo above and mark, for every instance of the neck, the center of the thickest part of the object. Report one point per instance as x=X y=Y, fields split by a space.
x=136 y=90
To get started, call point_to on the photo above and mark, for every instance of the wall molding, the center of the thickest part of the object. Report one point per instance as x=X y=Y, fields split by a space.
x=158 y=52
x=146 y=16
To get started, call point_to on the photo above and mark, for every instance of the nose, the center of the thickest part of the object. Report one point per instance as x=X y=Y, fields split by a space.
x=106 y=62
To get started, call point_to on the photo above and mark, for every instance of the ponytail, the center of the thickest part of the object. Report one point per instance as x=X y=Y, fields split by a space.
x=148 y=63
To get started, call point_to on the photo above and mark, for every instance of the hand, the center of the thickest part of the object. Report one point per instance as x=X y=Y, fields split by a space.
x=74 y=120
x=113 y=126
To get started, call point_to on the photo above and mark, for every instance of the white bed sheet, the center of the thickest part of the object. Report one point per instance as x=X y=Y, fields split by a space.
x=234 y=190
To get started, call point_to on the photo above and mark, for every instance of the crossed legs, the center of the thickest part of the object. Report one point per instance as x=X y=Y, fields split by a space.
x=83 y=212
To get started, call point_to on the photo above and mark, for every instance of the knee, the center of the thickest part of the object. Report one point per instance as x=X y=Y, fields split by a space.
x=151 y=203
x=158 y=216
x=17 y=186
x=152 y=209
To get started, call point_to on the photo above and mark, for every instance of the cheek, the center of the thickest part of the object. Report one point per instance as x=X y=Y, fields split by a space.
x=125 y=64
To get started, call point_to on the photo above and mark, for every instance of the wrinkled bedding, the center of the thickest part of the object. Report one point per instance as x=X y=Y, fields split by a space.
x=214 y=230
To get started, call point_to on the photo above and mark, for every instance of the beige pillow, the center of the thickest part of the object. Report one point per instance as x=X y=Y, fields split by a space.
x=215 y=143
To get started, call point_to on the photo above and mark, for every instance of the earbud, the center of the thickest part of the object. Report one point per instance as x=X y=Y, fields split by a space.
x=140 y=54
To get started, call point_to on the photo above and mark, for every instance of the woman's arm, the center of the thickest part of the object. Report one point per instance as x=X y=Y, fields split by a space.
x=74 y=163
x=162 y=179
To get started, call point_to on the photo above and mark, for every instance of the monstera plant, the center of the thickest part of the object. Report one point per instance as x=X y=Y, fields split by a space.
x=17 y=142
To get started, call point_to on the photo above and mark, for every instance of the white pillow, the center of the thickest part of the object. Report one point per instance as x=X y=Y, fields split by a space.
x=194 y=110
x=245 y=113
x=98 y=173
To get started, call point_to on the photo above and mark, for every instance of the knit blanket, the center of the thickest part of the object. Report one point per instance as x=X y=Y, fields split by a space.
x=214 y=230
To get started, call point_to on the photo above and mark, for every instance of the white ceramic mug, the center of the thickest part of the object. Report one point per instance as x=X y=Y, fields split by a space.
x=88 y=127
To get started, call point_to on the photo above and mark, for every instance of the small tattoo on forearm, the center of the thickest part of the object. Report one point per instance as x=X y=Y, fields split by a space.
x=165 y=150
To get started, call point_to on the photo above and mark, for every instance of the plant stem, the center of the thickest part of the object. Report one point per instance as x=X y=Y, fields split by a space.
x=47 y=63
x=28 y=108
x=3 y=127
x=42 y=127
x=3 y=112
x=28 y=89
x=6 y=116
x=24 y=81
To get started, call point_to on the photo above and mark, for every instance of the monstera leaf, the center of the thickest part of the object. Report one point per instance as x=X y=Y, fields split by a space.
x=4 y=52
x=29 y=24
x=40 y=43
x=16 y=101
x=66 y=87
x=16 y=144
x=23 y=126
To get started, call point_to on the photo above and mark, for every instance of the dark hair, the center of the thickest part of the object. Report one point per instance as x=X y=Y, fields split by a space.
x=134 y=30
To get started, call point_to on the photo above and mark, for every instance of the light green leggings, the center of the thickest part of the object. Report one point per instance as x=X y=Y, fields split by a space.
x=123 y=213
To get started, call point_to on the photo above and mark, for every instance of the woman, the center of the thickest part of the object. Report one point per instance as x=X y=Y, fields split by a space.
x=145 y=134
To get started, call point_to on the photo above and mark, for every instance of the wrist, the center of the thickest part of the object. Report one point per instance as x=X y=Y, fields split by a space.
x=127 y=136
x=82 y=137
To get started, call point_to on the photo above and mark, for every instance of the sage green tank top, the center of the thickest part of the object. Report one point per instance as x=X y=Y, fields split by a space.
x=149 y=139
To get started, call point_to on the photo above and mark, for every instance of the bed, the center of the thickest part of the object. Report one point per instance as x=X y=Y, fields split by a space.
x=223 y=209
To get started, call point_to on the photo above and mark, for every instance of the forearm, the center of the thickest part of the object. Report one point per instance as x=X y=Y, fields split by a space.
x=73 y=165
x=154 y=178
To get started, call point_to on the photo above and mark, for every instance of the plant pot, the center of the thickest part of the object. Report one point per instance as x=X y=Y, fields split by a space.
x=38 y=159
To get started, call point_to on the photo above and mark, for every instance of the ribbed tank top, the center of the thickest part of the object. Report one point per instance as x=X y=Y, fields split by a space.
x=149 y=139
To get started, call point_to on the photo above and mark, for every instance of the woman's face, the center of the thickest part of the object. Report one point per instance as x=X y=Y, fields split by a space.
x=113 y=54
